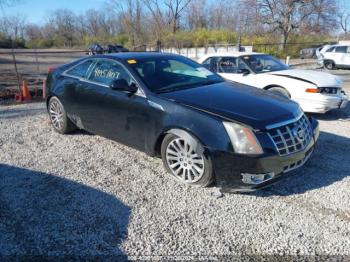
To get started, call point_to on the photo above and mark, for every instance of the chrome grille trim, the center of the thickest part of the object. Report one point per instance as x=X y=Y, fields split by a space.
x=285 y=122
x=292 y=137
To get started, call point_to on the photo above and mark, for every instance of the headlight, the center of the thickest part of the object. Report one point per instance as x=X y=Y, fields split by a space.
x=242 y=139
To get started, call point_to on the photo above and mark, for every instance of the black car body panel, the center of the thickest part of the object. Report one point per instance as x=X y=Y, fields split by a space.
x=230 y=100
x=141 y=120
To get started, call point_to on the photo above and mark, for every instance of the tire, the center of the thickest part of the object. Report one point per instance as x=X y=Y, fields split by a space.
x=183 y=157
x=280 y=91
x=58 y=117
x=329 y=65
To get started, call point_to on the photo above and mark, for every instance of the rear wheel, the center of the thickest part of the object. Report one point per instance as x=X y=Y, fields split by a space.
x=60 y=122
x=184 y=159
x=279 y=91
x=329 y=65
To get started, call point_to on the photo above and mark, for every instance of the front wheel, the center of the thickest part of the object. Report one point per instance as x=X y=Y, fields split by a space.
x=279 y=91
x=61 y=123
x=184 y=158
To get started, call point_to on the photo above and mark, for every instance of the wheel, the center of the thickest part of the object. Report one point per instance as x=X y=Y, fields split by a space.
x=329 y=65
x=279 y=91
x=184 y=158
x=60 y=122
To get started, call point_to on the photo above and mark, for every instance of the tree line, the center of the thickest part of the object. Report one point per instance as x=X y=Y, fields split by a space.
x=181 y=23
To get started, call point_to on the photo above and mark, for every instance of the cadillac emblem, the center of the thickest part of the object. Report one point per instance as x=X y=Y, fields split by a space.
x=299 y=133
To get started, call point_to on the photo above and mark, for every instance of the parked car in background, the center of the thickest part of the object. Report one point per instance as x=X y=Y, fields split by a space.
x=321 y=50
x=170 y=106
x=310 y=52
x=95 y=49
x=316 y=92
x=335 y=56
x=116 y=49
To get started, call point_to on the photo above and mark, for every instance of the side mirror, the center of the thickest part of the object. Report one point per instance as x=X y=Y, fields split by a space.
x=122 y=85
x=244 y=72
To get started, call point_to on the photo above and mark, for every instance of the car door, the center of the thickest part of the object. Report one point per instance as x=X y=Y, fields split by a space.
x=231 y=68
x=345 y=57
x=329 y=54
x=339 y=54
x=119 y=115
x=75 y=93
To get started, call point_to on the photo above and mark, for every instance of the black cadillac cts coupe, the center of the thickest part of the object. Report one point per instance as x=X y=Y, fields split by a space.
x=205 y=129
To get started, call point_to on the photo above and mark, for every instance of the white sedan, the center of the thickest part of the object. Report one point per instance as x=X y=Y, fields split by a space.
x=316 y=92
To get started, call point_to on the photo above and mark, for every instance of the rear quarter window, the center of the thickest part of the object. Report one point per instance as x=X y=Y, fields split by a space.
x=330 y=49
x=105 y=71
x=81 y=70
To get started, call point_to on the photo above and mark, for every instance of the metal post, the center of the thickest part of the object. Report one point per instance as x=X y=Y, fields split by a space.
x=36 y=60
x=159 y=46
x=15 y=64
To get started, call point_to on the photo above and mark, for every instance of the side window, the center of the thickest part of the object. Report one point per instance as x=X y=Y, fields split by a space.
x=106 y=71
x=82 y=70
x=207 y=63
x=341 y=49
x=242 y=65
x=329 y=50
x=227 y=65
x=210 y=64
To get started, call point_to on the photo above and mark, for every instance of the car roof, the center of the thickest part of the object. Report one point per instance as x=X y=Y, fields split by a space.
x=230 y=54
x=348 y=44
x=138 y=55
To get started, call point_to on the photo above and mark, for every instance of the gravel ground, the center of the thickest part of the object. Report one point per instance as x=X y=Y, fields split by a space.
x=84 y=195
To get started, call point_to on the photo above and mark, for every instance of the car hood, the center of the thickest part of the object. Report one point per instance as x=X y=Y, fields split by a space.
x=319 y=79
x=249 y=105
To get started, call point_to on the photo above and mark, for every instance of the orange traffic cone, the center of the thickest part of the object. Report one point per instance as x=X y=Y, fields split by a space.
x=25 y=91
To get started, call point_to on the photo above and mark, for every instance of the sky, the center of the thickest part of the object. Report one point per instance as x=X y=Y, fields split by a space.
x=36 y=11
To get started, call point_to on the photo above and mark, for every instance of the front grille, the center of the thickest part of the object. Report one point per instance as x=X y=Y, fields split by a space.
x=292 y=137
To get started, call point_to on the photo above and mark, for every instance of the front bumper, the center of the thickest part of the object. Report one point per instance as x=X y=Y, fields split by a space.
x=232 y=170
x=320 y=103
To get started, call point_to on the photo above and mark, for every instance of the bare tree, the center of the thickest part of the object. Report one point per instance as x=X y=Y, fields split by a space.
x=157 y=19
x=197 y=14
x=175 y=10
x=286 y=16
x=130 y=15
x=344 y=20
x=343 y=17
x=4 y=3
x=13 y=26
x=33 y=32
x=63 y=21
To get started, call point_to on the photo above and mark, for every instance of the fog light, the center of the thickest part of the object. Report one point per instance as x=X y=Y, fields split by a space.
x=255 y=179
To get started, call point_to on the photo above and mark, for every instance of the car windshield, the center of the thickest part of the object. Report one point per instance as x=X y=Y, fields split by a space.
x=264 y=63
x=171 y=73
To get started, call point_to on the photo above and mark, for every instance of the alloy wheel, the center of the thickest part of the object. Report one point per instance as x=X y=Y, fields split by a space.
x=56 y=114
x=184 y=163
